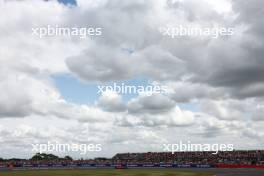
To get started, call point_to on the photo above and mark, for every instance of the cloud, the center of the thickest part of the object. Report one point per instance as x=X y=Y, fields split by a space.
x=232 y=63
x=111 y=101
x=153 y=104
x=184 y=91
x=223 y=109
x=14 y=101
x=106 y=65
x=258 y=114
x=172 y=118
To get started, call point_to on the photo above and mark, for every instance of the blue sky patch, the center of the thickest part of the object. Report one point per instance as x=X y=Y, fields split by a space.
x=67 y=2
x=76 y=91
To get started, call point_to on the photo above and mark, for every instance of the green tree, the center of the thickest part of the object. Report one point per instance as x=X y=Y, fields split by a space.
x=68 y=158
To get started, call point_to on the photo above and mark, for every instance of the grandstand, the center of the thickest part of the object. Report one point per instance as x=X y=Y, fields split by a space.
x=252 y=158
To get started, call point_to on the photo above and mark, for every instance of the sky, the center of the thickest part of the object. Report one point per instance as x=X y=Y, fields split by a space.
x=49 y=85
x=66 y=2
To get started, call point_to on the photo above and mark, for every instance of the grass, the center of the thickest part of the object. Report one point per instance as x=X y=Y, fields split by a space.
x=105 y=172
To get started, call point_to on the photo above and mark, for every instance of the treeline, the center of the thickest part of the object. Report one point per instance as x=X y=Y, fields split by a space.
x=48 y=157
x=41 y=157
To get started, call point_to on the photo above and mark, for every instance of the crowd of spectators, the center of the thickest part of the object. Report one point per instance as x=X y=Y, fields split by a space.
x=252 y=157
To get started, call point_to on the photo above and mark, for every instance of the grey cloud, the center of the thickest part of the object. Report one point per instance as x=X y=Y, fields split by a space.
x=237 y=63
x=112 y=102
x=104 y=65
x=150 y=104
x=258 y=114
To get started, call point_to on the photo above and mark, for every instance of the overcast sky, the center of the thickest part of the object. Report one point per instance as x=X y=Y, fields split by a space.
x=49 y=85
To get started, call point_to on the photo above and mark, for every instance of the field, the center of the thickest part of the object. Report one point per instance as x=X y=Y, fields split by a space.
x=106 y=172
